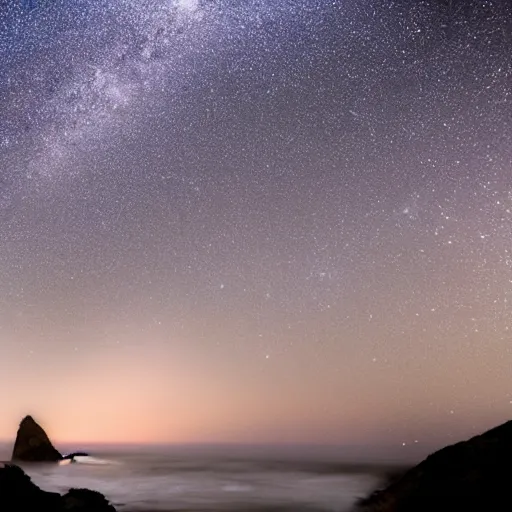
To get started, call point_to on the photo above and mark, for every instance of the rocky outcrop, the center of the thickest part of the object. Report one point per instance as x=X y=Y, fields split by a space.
x=84 y=500
x=19 y=494
x=468 y=476
x=71 y=456
x=18 y=491
x=32 y=444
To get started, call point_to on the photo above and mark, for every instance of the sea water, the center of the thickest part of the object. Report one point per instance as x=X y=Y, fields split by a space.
x=227 y=479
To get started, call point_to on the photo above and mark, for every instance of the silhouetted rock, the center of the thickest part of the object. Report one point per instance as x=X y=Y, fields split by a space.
x=468 y=476
x=84 y=500
x=32 y=444
x=19 y=494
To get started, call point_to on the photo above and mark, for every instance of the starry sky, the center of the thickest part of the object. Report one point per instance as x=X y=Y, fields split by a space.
x=256 y=222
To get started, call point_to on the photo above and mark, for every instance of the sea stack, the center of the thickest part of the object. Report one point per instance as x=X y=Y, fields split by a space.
x=32 y=444
x=473 y=475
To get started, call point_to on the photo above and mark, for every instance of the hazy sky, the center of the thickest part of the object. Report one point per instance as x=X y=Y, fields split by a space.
x=256 y=221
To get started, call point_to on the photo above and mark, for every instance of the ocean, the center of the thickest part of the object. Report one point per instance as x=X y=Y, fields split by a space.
x=216 y=479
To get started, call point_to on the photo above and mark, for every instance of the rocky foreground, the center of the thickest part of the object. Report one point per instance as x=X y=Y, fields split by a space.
x=473 y=475
x=19 y=494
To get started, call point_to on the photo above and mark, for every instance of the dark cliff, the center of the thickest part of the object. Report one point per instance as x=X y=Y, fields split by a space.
x=470 y=475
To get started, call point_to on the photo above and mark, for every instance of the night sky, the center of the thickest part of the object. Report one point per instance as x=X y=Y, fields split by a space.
x=256 y=221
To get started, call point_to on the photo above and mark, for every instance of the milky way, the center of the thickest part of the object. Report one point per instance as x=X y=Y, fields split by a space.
x=257 y=221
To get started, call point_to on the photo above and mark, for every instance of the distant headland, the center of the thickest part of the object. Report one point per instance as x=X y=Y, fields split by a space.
x=473 y=475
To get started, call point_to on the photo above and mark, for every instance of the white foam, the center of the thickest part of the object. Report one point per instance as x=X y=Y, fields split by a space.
x=83 y=459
